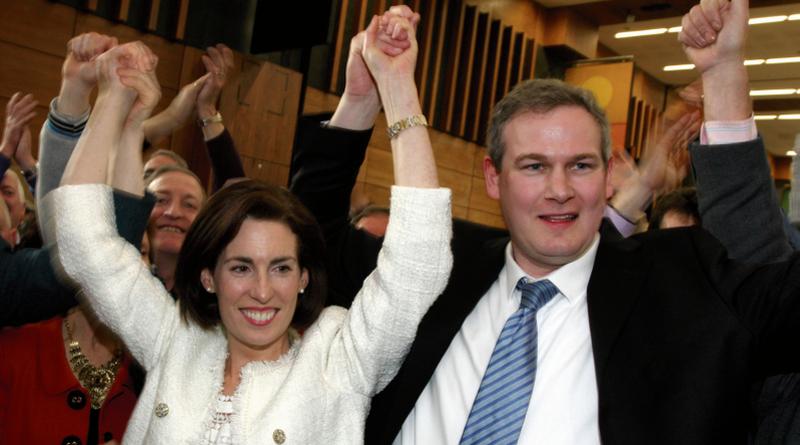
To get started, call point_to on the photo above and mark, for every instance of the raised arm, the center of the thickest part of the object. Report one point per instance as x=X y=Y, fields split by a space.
x=70 y=109
x=662 y=168
x=734 y=188
x=118 y=286
x=16 y=142
x=415 y=259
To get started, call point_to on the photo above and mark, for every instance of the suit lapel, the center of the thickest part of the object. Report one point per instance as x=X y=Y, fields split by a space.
x=614 y=288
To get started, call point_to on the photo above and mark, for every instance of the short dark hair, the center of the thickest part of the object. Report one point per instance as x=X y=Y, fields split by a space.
x=217 y=225
x=682 y=200
x=541 y=96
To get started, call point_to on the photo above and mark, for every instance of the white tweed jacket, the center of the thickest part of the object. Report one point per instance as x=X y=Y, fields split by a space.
x=318 y=392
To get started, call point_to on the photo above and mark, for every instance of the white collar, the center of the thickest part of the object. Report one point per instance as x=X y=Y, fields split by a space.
x=571 y=279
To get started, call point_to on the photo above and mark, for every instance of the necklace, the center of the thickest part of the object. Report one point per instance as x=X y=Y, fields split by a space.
x=97 y=381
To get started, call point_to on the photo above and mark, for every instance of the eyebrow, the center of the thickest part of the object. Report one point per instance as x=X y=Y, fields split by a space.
x=248 y=260
x=539 y=157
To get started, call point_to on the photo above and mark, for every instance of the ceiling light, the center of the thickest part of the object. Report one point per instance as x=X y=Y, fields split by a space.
x=643 y=32
x=772 y=19
x=684 y=67
x=789 y=117
x=775 y=60
x=794 y=17
x=765 y=117
x=752 y=62
x=675 y=29
x=774 y=92
x=791 y=153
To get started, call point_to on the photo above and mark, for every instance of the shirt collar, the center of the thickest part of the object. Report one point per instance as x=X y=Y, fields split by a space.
x=571 y=279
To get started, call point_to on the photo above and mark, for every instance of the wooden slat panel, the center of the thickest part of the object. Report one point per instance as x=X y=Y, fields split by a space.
x=469 y=119
x=341 y=49
x=436 y=66
x=437 y=9
x=461 y=54
x=183 y=15
x=490 y=83
x=502 y=64
x=124 y=8
x=424 y=33
x=509 y=62
x=152 y=22
x=516 y=61
x=527 y=64
x=466 y=75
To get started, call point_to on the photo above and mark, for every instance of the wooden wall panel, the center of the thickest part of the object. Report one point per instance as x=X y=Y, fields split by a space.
x=21 y=23
x=33 y=64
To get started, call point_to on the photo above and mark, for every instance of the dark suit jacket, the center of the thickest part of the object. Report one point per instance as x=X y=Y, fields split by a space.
x=678 y=331
x=738 y=205
x=31 y=291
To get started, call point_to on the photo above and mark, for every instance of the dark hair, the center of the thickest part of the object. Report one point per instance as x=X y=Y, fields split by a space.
x=541 y=96
x=682 y=200
x=217 y=225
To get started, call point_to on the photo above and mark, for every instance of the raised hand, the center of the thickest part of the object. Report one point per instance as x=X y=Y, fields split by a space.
x=177 y=113
x=81 y=53
x=360 y=103
x=134 y=55
x=79 y=75
x=665 y=163
x=218 y=61
x=148 y=93
x=24 y=154
x=19 y=112
x=385 y=67
x=714 y=33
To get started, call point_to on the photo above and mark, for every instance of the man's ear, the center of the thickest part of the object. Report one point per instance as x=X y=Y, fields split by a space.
x=609 y=186
x=207 y=280
x=492 y=177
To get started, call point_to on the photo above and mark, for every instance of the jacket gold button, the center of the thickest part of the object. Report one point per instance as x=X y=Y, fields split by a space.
x=279 y=436
x=162 y=410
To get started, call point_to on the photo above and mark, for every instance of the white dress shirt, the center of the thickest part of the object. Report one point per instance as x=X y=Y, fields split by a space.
x=563 y=406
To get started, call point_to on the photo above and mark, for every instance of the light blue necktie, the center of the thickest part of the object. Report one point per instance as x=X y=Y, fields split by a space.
x=499 y=409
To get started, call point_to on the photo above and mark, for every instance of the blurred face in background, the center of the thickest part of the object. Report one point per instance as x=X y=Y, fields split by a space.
x=179 y=198
x=14 y=196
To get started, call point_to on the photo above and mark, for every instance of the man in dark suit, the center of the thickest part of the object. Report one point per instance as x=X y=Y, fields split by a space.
x=652 y=339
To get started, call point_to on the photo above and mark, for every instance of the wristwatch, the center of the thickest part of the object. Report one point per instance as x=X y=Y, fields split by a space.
x=216 y=118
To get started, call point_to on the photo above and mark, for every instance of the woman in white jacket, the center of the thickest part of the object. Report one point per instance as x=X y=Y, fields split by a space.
x=225 y=363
